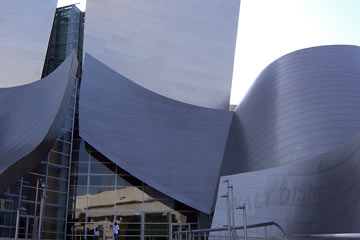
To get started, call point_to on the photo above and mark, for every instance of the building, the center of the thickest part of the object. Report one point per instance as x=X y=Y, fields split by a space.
x=88 y=185
x=140 y=133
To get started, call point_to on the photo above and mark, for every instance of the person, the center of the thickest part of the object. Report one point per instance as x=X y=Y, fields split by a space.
x=116 y=229
x=97 y=234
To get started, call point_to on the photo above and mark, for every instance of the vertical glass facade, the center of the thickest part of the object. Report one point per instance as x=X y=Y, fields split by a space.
x=102 y=193
x=66 y=36
x=49 y=180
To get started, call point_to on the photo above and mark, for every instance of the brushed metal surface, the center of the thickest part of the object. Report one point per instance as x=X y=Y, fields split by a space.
x=302 y=105
x=320 y=195
x=31 y=116
x=25 y=28
x=182 y=49
x=174 y=147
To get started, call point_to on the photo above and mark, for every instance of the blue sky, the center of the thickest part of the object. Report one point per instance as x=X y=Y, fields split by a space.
x=269 y=29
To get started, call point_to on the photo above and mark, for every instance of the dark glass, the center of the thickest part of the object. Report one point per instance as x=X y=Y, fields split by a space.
x=80 y=167
x=80 y=180
x=58 y=172
x=80 y=156
x=58 y=158
x=65 y=135
x=156 y=229
x=102 y=168
x=59 y=185
x=62 y=147
x=102 y=180
x=54 y=212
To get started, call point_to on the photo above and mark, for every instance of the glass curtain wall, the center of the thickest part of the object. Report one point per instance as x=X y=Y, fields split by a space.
x=101 y=193
x=47 y=186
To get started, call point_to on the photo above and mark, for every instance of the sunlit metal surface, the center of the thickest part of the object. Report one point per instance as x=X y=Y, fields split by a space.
x=25 y=28
x=181 y=49
x=30 y=119
x=174 y=147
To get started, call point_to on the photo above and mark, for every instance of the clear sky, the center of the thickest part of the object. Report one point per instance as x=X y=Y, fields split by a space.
x=269 y=29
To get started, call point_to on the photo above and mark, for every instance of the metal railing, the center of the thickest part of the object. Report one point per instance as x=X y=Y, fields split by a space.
x=223 y=233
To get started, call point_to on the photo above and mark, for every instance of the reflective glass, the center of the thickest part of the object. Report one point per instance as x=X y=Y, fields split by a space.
x=58 y=158
x=80 y=156
x=95 y=191
x=58 y=172
x=59 y=185
x=65 y=135
x=79 y=167
x=62 y=147
x=102 y=180
x=102 y=168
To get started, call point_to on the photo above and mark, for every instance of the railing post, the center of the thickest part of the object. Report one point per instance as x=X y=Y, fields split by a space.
x=265 y=230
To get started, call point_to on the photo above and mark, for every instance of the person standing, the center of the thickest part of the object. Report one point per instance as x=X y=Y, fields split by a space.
x=116 y=229
x=96 y=234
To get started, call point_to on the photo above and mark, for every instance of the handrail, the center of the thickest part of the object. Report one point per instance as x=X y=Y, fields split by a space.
x=257 y=225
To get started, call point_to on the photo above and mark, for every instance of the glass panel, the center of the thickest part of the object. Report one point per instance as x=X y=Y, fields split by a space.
x=124 y=181
x=157 y=205
x=100 y=216
x=51 y=225
x=79 y=180
x=78 y=191
x=102 y=168
x=128 y=217
x=156 y=229
x=54 y=212
x=98 y=191
x=56 y=198
x=62 y=147
x=129 y=205
x=81 y=156
x=126 y=193
x=79 y=167
x=59 y=159
x=58 y=172
x=102 y=180
x=103 y=204
x=160 y=217
x=56 y=184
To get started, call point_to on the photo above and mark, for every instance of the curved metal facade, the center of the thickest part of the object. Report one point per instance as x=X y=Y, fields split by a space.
x=185 y=49
x=174 y=147
x=294 y=144
x=25 y=29
x=30 y=119
x=302 y=105
x=315 y=196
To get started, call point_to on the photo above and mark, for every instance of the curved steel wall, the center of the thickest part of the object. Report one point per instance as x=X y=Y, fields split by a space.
x=30 y=119
x=181 y=49
x=174 y=147
x=316 y=196
x=302 y=105
x=25 y=29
